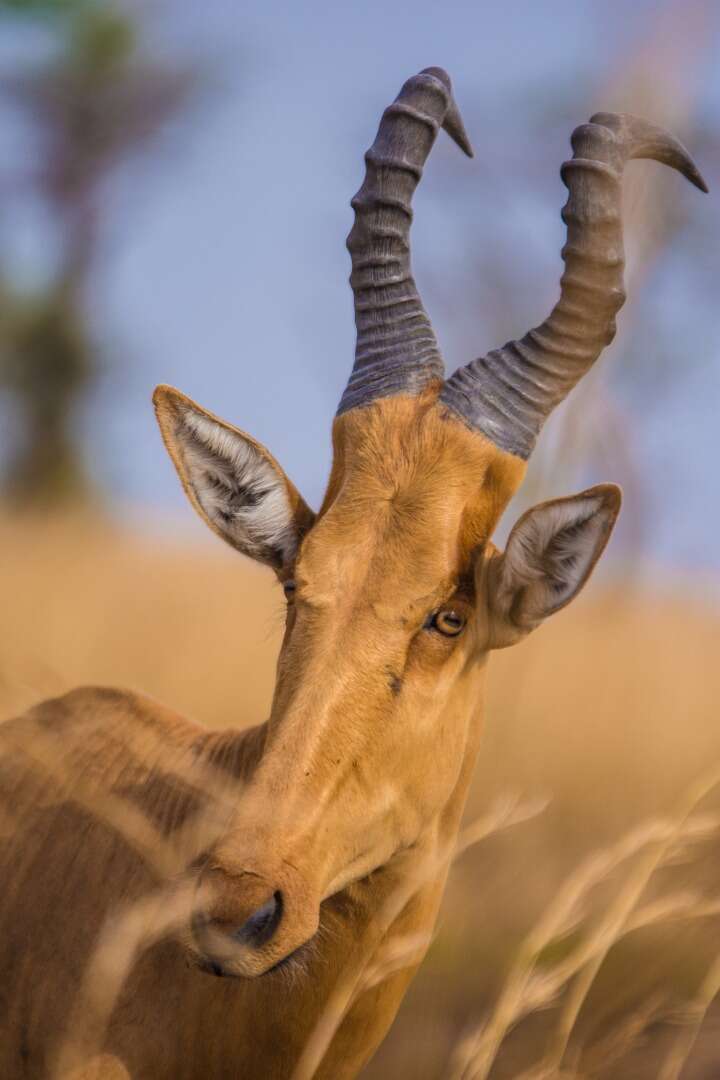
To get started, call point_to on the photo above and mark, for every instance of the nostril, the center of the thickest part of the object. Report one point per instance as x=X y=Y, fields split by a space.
x=262 y=924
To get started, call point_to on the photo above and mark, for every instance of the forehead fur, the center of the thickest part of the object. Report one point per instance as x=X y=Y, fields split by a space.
x=411 y=494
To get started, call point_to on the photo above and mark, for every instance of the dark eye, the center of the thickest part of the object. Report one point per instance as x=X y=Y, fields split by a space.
x=289 y=589
x=448 y=621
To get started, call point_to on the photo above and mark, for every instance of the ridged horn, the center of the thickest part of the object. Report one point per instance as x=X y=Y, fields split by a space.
x=396 y=350
x=508 y=394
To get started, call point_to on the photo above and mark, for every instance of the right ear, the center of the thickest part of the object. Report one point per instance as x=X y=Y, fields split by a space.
x=235 y=485
x=549 y=557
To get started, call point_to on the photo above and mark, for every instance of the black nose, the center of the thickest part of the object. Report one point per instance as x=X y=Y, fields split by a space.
x=262 y=924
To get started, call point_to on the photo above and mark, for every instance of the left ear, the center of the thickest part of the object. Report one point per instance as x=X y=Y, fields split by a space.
x=549 y=556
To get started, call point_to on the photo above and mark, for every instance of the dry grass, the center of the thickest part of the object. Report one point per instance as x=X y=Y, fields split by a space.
x=85 y=602
x=582 y=942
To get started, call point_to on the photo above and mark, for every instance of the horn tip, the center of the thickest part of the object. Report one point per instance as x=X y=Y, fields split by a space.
x=695 y=177
x=452 y=123
x=455 y=128
x=654 y=142
x=687 y=167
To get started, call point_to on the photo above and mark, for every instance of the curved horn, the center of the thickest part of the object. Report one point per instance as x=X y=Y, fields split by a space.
x=508 y=394
x=396 y=350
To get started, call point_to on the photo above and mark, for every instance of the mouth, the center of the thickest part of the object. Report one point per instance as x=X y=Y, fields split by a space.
x=296 y=959
x=211 y=967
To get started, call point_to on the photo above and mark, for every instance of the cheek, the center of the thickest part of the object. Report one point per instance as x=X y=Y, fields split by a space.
x=436 y=668
x=437 y=713
x=445 y=739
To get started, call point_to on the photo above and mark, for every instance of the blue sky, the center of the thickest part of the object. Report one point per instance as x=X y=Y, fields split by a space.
x=226 y=271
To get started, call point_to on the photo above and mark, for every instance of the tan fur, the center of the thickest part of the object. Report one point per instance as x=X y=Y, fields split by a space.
x=348 y=798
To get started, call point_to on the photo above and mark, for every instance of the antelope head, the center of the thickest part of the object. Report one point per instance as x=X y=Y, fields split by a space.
x=395 y=592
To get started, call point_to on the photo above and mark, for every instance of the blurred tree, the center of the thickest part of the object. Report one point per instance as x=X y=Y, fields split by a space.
x=93 y=104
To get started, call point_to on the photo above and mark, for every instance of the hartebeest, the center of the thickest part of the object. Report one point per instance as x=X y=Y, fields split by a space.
x=356 y=784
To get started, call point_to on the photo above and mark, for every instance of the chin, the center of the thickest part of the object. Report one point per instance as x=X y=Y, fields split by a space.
x=288 y=968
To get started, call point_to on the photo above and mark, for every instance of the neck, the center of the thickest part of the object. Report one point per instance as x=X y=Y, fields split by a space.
x=235 y=752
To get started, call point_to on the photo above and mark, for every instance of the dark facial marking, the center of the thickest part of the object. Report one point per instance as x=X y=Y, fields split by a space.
x=394 y=682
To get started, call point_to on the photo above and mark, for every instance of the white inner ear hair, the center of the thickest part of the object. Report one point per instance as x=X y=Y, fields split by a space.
x=239 y=490
x=551 y=551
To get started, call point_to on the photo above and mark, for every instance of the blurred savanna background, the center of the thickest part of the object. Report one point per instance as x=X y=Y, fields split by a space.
x=174 y=200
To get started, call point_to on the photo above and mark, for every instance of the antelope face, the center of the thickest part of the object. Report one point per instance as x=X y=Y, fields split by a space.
x=394 y=597
x=395 y=592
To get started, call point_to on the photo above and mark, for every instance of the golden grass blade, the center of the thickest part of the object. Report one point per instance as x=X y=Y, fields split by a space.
x=506 y=812
x=475 y=1055
x=626 y=1036
x=125 y=935
x=400 y=953
x=620 y=911
x=694 y=1016
x=53 y=757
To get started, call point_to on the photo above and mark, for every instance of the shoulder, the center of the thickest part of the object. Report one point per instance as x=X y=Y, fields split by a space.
x=102 y=702
x=89 y=714
x=105 y=700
